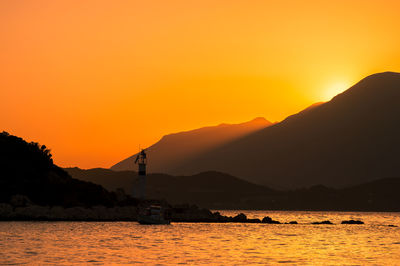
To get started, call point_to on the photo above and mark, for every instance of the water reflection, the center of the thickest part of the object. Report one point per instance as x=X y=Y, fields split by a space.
x=131 y=243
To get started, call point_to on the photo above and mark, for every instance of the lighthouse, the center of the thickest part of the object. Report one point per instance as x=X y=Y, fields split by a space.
x=139 y=190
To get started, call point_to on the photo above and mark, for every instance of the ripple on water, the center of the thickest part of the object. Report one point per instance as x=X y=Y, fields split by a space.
x=131 y=243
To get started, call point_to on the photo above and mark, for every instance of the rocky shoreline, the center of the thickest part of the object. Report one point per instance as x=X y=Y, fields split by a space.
x=58 y=213
x=178 y=214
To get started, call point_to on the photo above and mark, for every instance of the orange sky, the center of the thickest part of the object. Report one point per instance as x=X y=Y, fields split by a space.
x=94 y=79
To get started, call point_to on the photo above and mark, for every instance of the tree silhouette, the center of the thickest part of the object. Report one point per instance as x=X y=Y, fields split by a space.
x=27 y=168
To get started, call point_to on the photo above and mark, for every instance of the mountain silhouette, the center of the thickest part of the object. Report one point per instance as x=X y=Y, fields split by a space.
x=352 y=139
x=207 y=189
x=217 y=190
x=168 y=153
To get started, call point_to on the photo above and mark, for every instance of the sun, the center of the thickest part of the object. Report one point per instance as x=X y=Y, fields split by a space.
x=334 y=89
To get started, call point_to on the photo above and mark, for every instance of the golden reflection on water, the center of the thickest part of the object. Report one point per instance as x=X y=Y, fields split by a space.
x=190 y=243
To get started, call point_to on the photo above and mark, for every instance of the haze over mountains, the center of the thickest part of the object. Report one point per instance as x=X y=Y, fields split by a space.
x=208 y=189
x=221 y=191
x=168 y=153
x=352 y=139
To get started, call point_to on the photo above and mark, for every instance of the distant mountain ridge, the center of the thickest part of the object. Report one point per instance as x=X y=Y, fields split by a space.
x=168 y=153
x=353 y=138
x=208 y=189
x=221 y=191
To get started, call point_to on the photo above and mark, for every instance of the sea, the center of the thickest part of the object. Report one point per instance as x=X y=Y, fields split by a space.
x=377 y=242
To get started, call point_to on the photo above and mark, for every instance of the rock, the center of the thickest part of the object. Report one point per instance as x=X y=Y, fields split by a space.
x=102 y=213
x=292 y=222
x=392 y=225
x=6 y=211
x=121 y=195
x=97 y=213
x=323 y=222
x=186 y=213
x=80 y=214
x=20 y=201
x=269 y=220
x=220 y=218
x=32 y=212
x=352 y=222
x=125 y=213
x=240 y=218
x=253 y=221
x=57 y=213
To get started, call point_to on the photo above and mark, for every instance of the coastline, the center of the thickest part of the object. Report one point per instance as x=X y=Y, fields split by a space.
x=184 y=213
x=178 y=214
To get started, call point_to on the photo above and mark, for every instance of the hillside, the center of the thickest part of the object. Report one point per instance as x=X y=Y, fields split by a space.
x=109 y=179
x=221 y=191
x=27 y=169
x=352 y=139
x=167 y=154
x=377 y=195
x=208 y=189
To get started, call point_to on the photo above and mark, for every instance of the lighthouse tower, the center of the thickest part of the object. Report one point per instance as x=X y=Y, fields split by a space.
x=139 y=191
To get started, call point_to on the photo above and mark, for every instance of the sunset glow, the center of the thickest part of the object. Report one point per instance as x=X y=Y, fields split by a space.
x=334 y=89
x=94 y=80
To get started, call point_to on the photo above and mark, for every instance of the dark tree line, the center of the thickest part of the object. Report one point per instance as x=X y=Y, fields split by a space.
x=27 y=168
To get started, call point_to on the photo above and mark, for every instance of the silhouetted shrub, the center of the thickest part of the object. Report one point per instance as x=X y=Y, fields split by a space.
x=27 y=169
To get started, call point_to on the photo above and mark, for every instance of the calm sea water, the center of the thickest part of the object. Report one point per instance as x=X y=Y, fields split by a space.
x=66 y=243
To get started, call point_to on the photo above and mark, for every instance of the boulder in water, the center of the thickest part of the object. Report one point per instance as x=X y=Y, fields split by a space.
x=323 y=222
x=352 y=222
x=254 y=221
x=269 y=220
x=240 y=218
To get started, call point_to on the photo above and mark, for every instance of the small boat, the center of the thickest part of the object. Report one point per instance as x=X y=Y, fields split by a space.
x=153 y=215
